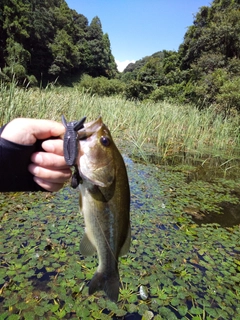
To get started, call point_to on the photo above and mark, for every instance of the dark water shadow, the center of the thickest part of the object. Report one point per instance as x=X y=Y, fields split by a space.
x=229 y=217
x=207 y=169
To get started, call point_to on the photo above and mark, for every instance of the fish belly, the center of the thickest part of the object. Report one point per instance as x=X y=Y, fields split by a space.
x=100 y=236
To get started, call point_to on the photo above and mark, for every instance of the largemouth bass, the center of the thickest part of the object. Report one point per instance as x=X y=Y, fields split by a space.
x=105 y=204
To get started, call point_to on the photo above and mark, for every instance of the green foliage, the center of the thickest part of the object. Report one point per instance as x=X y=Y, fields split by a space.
x=138 y=90
x=47 y=39
x=172 y=129
x=174 y=92
x=101 y=86
x=229 y=94
x=136 y=66
x=211 y=49
x=151 y=71
x=205 y=69
x=187 y=271
x=64 y=52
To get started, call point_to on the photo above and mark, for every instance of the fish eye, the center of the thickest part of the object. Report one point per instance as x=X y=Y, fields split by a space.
x=105 y=141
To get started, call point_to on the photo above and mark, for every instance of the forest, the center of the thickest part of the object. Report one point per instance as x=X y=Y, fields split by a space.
x=174 y=115
x=42 y=41
x=205 y=70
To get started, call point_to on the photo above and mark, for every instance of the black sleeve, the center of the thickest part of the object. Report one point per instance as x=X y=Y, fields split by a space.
x=14 y=161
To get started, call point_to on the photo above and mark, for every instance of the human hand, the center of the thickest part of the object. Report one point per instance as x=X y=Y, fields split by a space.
x=49 y=168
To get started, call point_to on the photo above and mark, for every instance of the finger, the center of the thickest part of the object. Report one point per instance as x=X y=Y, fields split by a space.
x=49 y=160
x=55 y=176
x=43 y=129
x=49 y=186
x=26 y=131
x=53 y=146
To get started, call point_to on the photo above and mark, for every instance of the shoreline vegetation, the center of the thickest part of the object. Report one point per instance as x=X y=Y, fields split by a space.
x=185 y=225
x=175 y=116
x=160 y=130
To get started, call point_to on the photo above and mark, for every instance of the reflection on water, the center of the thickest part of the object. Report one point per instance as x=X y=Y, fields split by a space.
x=229 y=217
x=208 y=169
x=205 y=167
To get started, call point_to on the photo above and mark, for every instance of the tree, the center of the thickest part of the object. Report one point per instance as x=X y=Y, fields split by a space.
x=46 y=38
x=42 y=34
x=99 y=58
x=15 y=32
x=110 y=64
x=65 y=54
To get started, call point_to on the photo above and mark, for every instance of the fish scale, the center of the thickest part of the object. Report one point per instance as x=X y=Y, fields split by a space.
x=105 y=204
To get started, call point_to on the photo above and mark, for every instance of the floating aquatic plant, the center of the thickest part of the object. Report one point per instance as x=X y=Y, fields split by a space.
x=188 y=271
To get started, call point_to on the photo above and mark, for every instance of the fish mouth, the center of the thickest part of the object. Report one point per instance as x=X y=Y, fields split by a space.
x=90 y=128
x=84 y=135
x=93 y=163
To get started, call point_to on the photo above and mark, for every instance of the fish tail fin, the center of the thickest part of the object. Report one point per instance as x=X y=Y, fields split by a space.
x=108 y=283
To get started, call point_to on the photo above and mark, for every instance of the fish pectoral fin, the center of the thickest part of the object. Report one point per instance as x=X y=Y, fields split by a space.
x=86 y=246
x=126 y=246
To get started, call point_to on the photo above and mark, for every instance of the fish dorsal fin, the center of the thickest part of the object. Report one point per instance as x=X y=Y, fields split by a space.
x=125 y=248
x=86 y=246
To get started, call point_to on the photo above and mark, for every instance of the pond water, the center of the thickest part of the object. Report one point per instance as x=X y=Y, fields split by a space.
x=188 y=266
x=206 y=172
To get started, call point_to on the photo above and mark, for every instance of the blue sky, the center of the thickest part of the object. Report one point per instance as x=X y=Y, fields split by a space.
x=138 y=28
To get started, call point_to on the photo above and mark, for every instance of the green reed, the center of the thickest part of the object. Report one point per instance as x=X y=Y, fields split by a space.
x=160 y=128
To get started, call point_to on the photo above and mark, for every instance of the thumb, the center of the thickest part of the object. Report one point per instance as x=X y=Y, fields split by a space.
x=26 y=131
x=43 y=129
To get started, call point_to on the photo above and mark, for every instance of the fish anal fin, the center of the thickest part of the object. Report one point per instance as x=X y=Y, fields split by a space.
x=108 y=283
x=126 y=246
x=86 y=246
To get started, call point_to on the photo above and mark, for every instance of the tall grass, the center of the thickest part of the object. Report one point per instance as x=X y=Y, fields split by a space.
x=160 y=128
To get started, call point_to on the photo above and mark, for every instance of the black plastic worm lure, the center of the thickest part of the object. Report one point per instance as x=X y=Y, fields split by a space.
x=70 y=141
x=70 y=146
